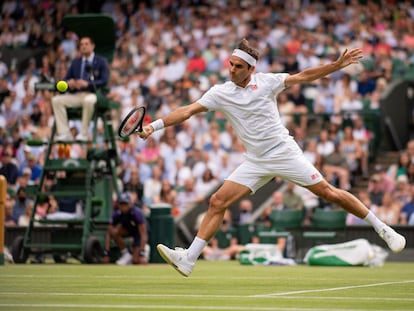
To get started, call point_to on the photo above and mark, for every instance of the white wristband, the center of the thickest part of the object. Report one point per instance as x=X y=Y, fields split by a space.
x=157 y=124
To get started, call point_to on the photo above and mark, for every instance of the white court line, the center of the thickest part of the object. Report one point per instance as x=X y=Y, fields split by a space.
x=169 y=307
x=332 y=289
x=195 y=296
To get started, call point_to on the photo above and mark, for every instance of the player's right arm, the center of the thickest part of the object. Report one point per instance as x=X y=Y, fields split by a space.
x=175 y=117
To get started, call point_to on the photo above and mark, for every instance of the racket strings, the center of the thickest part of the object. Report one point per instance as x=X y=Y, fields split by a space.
x=131 y=122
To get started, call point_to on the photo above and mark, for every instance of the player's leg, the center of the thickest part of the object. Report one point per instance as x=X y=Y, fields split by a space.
x=296 y=168
x=340 y=197
x=351 y=204
x=225 y=196
x=183 y=260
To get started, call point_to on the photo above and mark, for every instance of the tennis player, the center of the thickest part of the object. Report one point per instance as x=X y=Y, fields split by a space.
x=248 y=102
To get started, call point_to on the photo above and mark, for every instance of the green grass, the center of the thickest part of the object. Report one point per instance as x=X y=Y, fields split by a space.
x=212 y=286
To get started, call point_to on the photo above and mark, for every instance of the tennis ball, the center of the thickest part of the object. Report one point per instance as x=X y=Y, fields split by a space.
x=62 y=86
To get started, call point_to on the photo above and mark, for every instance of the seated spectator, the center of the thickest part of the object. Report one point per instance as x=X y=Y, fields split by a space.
x=9 y=113
x=168 y=195
x=400 y=168
x=336 y=170
x=325 y=145
x=407 y=211
x=387 y=182
x=402 y=192
x=152 y=186
x=335 y=133
x=134 y=185
x=151 y=151
x=205 y=184
x=277 y=201
x=363 y=136
x=224 y=245
x=20 y=202
x=291 y=200
x=410 y=149
x=185 y=137
x=127 y=221
x=24 y=218
x=188 y=196
x=196 y=62
x=351 y=149
x=24 y=180
x=180 y=173
x=224 y=167
x=324 y=101
x=9 y=220
x=389 y=210
x=410 y=172
x=295 y=95
x=201 y=164
x=286 y=109
x=375 y=190
x=376 y=95
x=365 y=83
x=43 y=130
x=32 y=162
x=170 y=150
x=8 y=168
x=245 y=213
x=346 y=98
x=61 y=208
x=311 y=153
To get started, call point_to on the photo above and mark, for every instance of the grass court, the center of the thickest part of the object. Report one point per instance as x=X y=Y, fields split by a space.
x=212 y=286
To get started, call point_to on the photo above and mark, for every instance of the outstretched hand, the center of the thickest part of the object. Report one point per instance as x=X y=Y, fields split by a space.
x=349 y=57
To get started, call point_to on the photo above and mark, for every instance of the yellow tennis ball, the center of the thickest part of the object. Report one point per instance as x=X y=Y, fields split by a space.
x=62 y=86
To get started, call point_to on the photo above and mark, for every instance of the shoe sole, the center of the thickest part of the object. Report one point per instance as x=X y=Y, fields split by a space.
x=167 y=260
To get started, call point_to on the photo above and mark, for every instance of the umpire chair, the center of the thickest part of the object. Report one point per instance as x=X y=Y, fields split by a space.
x=90 y=180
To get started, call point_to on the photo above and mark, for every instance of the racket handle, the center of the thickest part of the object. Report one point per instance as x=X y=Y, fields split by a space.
x=142 y=132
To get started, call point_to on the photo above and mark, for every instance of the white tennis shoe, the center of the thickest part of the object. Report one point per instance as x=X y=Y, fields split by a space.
x=126 y=259
x=178 y=258
x=396 y=242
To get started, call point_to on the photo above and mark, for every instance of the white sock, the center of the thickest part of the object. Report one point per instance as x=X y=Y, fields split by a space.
x=195 y=249
x=124 y=251
x=374 y=221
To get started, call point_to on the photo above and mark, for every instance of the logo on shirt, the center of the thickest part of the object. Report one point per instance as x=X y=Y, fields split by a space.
x=254 y=87
x=314 y=176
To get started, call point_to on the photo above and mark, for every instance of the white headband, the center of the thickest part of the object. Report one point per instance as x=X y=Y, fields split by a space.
x=245 y=56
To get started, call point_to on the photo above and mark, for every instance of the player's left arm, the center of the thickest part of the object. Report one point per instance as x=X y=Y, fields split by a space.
x=347 y=58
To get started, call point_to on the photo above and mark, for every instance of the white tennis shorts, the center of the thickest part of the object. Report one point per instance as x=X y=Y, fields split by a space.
x=288 y=163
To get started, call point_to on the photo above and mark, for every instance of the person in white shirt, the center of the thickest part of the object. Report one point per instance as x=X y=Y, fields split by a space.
x=248 y=102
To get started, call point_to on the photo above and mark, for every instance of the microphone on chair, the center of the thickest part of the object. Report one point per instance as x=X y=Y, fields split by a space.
x=89 y=71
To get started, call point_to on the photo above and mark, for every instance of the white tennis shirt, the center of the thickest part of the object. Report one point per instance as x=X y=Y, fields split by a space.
x=252 y=111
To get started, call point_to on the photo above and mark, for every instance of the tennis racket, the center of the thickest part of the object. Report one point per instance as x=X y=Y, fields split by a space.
x=132 y=123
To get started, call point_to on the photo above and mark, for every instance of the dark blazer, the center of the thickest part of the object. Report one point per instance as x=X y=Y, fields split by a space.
x=98 y=69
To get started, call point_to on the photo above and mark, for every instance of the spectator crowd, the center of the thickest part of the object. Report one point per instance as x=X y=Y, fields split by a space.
x=168 y=53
